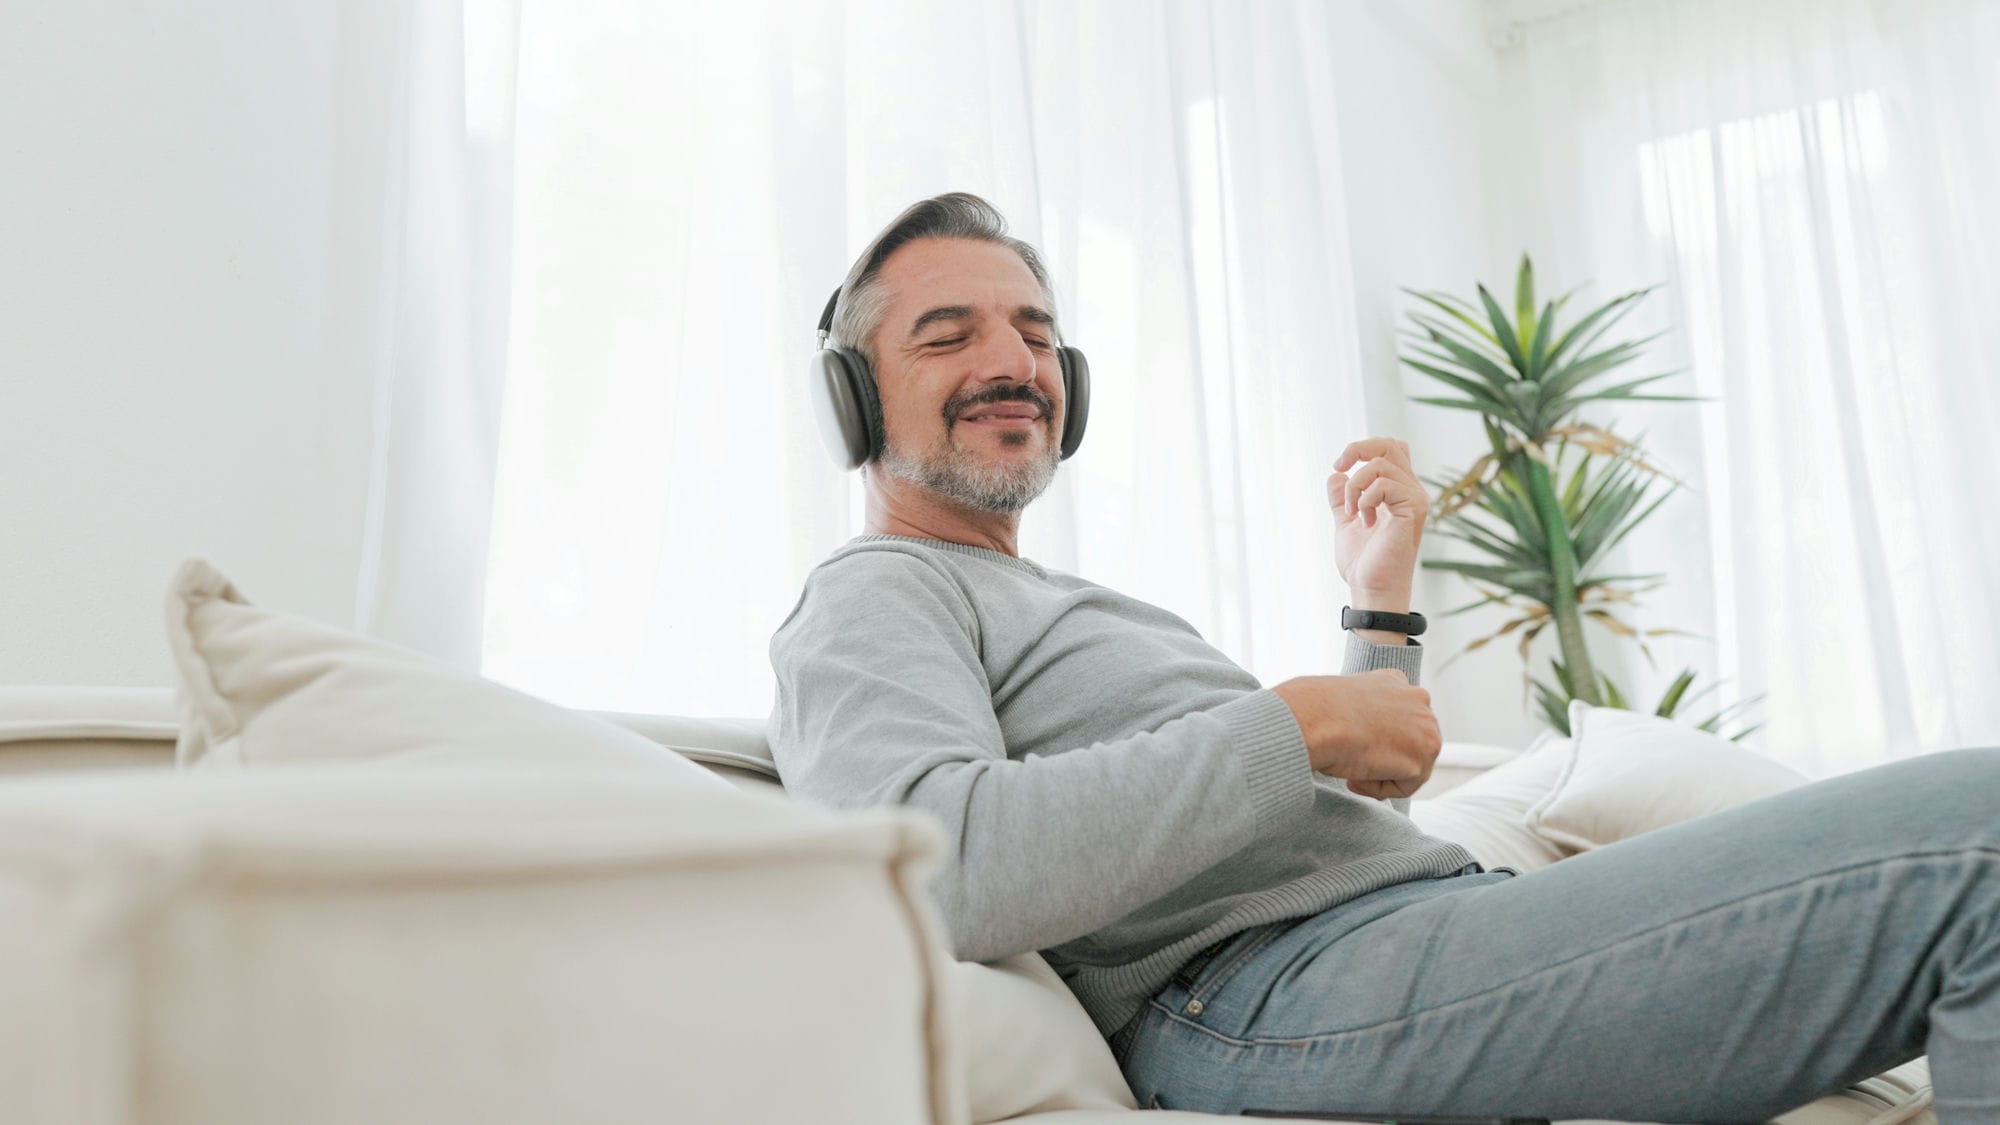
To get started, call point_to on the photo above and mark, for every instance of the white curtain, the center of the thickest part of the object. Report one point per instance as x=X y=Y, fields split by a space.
x=1815 y=184
x=693 y=181
x=437 y=363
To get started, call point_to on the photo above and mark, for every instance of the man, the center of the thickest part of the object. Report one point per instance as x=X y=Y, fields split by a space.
x=1208 y=863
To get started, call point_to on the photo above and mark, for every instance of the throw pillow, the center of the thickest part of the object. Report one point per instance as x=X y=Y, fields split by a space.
x=257 y=686
x=1488 y=815
x=1028 y=1045
x=1628 y=773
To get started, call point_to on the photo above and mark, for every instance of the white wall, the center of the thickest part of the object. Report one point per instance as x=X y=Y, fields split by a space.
x=186 y=316
x=1420 y=122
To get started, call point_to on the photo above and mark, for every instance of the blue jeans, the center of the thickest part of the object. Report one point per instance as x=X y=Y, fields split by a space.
x=1728 y=969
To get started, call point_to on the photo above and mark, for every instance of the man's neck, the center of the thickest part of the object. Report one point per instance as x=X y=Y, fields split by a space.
x=898 y=507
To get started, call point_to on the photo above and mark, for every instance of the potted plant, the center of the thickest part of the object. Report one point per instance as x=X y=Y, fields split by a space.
x=1553 y=494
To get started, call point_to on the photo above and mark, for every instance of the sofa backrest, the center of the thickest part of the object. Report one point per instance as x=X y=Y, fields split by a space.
x=49 y=729
x=46 y=729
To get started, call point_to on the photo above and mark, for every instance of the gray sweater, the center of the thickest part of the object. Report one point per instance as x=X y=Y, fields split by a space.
x=1117 y=794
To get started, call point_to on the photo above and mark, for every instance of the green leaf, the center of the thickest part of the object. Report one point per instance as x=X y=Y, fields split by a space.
x=1496 y=439
x=1443 y=302
x=1689 y=701
x=1479 y=391
x=1581 y=335
x=1635 y=521
x=1484 y=600
x=1562 y=381
x=1433 y=327
x=1575 y=486
x=1598 y=505
x=1671 y=698
x=1539 y=348
x=1493 y=373
x=1530 y=584
x=1465 y=531
x=1562 y=677
x=1524 y=307
x=1634 y=385
x=1503 y=331
x=1612 y=696
x=1554 y=708
x=1472 y=406
x=1739 y=704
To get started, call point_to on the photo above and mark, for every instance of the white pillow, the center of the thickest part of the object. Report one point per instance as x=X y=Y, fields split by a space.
x=1488 y=815
x=257 y=686
x=1628 y=773
x=1029 y=1047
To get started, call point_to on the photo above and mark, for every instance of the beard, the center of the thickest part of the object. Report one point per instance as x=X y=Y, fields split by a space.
x=964 y=477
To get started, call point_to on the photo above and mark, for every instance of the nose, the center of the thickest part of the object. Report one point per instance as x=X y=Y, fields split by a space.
x=1008 y=357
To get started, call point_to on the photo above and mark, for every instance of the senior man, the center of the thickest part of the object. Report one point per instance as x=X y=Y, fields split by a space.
x=1210 y=865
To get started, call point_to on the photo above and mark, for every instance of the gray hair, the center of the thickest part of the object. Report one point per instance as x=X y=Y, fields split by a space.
x=864 y=300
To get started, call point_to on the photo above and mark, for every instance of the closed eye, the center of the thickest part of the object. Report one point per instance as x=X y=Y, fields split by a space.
x=960 y=340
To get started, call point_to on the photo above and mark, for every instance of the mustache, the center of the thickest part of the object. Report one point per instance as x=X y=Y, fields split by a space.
x=954 y=408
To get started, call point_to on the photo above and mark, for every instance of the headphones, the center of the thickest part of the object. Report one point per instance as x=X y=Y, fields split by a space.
x=846 y=402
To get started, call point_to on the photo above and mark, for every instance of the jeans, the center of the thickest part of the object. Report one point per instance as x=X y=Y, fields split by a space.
x=1729 y=969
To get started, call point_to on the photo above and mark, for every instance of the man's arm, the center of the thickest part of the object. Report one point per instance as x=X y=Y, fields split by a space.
x=882 y=699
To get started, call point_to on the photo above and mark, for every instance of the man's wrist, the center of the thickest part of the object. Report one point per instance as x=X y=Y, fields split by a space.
x=1383 y=601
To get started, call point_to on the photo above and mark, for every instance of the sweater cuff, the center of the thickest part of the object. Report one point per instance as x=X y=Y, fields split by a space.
x=1276 y=764
x=1364 y=655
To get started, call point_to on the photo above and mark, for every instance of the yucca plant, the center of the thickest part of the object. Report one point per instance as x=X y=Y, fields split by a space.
x=1526 y=379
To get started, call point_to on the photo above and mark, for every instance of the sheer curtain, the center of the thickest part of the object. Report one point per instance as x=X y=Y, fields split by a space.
x=439 y=272
x=1814 y=182
x=692 y=182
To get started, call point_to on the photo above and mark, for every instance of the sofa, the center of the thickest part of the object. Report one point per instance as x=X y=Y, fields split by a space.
x=325 y=879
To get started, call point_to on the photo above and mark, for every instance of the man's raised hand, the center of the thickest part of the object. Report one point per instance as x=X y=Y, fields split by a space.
x=1379 y=510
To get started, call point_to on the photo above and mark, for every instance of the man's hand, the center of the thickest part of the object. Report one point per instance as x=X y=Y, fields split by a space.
x=1376 y=729
x=1379 y=512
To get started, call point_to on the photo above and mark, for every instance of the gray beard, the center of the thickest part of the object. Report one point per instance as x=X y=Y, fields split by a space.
x=958 y=475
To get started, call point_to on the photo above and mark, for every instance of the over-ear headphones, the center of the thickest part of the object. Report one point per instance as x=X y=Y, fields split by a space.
x=846 y=402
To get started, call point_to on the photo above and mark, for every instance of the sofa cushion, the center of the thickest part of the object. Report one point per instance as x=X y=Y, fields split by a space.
x=257 y=686
x=736 y=743
x=338 y=943
x=1626 y=772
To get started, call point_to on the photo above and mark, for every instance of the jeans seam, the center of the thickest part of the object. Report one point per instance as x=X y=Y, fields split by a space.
x=1302 y=1040
x=1229 y=967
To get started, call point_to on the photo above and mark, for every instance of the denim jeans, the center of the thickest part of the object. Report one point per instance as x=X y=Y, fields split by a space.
x=1726 y=969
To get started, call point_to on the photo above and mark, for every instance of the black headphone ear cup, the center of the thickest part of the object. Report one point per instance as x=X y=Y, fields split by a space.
x=1076 y=396
x=845 y=406
x=871 y=403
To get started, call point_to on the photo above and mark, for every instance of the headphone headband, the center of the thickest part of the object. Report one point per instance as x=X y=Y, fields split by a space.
x=826 y=318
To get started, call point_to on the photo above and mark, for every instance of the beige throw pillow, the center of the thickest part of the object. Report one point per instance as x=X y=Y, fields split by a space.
x=1488 y=815
x=257 y=686
x=1028 y=1045
x=1627 y=773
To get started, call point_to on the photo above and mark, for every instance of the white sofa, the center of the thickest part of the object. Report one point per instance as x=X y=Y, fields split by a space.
x=293 y=889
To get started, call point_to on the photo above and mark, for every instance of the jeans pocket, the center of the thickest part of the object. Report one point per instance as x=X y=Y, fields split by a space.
x=1224 y=965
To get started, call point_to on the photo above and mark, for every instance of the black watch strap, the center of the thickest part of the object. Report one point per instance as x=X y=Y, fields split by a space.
x=1408 y=624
